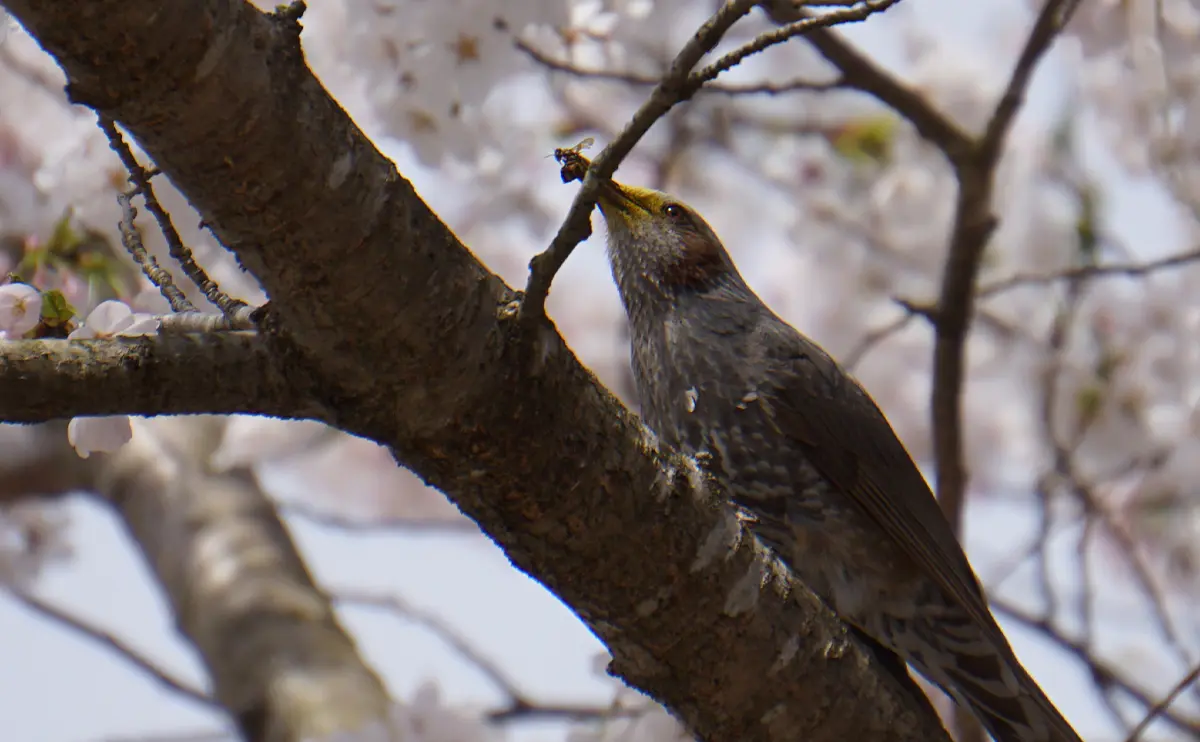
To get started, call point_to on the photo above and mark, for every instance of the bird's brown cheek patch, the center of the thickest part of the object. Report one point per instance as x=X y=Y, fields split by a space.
x=699 y=265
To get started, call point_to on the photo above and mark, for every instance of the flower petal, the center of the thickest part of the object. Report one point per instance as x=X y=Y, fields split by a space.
x=140 y=324
x=109 y=317
x=105 y=434
x=20 y=308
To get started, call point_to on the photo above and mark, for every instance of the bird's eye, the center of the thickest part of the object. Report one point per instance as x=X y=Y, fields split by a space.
x=673 y=211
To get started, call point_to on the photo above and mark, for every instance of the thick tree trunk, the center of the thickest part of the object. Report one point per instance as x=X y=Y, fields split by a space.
x=380 y=316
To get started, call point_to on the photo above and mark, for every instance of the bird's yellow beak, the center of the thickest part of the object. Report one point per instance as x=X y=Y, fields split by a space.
x=621 y=201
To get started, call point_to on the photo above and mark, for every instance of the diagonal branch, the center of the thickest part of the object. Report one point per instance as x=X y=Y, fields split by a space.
x=679 y=84
x=282 y=666
x=179 y=251
x=860 y=73
x=114 y=643
x=808 y=24
x=1105 y=676
x=674 y=88
x=1164 y=704
x=407 y=339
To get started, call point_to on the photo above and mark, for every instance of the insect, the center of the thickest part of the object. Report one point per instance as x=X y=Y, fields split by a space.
x=574 y=164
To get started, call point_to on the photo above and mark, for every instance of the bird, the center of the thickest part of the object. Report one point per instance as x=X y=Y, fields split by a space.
x=808 y=457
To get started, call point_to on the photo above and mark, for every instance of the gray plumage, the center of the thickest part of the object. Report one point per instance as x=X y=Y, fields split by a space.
x=801 y=447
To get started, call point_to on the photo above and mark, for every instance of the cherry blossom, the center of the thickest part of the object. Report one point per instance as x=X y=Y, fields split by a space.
x=106 y=434
x=112 y=318
x=20 y=308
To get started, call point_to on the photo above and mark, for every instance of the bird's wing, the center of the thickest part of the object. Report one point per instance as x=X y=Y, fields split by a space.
x=846 y=437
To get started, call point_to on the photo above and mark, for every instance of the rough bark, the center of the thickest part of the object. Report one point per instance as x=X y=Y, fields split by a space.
x=281 y=665
x=223 y=372
x=380 y=315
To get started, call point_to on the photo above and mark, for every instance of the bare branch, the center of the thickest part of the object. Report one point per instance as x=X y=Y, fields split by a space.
x=860 y=73
x=569 y=712
x=857 y=12
x=973 y=226
x=674 y=88
x=1164 y=704
x=179 y=251
x=114 y=644
x=1050 y=22
x=240 y=319
x=281 y=664
x=517 y=706
x=1099 y=270
x=646 y=80
x=159 y=276
x=1103 y=675
x=436 y=625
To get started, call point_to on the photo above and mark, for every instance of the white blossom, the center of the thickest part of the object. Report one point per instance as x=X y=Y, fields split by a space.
x=105 y=434
x=20 y=308
x=112 y=318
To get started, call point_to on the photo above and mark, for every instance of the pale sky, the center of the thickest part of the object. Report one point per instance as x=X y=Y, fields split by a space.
x=57 y=687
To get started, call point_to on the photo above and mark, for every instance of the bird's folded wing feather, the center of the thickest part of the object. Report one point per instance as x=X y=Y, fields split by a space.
x=849 y=441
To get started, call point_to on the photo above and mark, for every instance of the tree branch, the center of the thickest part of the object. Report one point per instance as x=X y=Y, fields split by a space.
x=223 y=372
x=1103 y=675
x=674 y=88
x=648 y=80
x=679 y=84
x=1091 y=271
x=281 y=665
x=406 y=339
x=860 y=73
x=973 y=226
x=112 y=643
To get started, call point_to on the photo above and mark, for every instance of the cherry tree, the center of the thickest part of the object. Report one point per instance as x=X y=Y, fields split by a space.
x=217 y=280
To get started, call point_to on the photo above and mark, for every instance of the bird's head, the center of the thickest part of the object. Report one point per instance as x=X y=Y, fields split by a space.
x=659 y=247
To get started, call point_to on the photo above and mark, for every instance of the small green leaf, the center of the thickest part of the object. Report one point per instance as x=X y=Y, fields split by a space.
x=866 y=140
x=56 y=310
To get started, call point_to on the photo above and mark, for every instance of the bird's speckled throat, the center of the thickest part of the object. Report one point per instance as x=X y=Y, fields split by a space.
x=660 y=243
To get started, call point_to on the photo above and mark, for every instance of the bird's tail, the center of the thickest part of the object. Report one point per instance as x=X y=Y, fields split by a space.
x=979 y=670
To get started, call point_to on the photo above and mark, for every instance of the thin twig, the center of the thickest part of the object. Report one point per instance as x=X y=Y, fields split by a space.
x=1103 y=675
x=647 y=80
x=679 y=84
x=1110 y=270
x=860 y=73
x=207 y=736
x=1162 y=705
x=671 y=90
x=182 y=254
x=456 y=641
x=182 y=323
x=158 y=275
x=128 y=653
x=517 y=707
x=860 y=11
x=873 y=338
